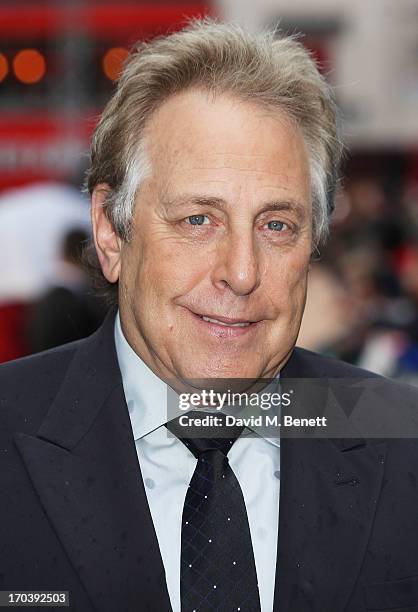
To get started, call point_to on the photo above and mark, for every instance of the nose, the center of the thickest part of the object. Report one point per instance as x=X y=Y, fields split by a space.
x=237 y=265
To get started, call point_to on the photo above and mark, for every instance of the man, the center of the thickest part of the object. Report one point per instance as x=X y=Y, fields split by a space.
x=212 y=173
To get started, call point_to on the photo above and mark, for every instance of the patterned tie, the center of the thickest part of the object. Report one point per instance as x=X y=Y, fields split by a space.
x=217 y=561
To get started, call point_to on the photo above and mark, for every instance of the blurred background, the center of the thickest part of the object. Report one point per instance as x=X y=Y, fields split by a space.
x=58 y=65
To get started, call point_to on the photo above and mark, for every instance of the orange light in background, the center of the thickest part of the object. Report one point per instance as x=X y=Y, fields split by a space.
x=4 y=67
x=29 y=66
x=113 y=62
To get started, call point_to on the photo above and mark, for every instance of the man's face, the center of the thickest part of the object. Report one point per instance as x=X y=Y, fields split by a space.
x=213 y=282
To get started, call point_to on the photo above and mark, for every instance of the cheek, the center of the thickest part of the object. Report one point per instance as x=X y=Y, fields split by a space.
x=288 y=277
x=128 y=273
x=157 y=271
x=175 y=268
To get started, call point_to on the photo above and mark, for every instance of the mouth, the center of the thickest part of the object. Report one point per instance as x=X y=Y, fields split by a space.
x=226 y=322
x=225 y=326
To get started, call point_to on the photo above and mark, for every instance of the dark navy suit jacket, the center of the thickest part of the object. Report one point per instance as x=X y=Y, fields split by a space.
x=74 y=514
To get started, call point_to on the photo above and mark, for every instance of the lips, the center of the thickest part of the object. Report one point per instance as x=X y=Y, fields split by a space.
x=229 y=324
x=224 y=328
x=224 y=321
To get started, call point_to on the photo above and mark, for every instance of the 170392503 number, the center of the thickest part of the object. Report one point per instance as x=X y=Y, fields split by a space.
x=34 y=598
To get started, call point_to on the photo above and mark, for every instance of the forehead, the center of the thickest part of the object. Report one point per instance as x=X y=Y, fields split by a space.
x=193 y=136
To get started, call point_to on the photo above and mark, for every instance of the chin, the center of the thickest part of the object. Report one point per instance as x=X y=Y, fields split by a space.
x=217 y=374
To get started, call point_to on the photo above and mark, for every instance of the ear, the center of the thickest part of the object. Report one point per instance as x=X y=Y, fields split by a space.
x=107 y=242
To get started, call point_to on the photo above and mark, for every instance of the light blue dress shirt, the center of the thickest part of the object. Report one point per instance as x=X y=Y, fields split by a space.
x=167 y=467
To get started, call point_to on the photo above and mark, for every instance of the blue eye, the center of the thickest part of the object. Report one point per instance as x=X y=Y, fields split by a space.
x=276 y=226
x=196 y=219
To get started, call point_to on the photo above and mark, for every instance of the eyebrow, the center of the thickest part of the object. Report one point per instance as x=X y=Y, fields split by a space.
x=220 y=203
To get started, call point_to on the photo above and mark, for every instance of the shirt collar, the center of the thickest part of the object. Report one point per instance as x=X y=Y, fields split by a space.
x=146 y=393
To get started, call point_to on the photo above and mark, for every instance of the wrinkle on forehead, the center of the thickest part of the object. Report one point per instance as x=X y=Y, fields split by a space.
x=259 y=167
x=226 y=167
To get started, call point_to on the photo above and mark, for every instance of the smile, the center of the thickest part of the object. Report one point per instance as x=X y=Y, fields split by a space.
x=224 y=327
x=219 y=322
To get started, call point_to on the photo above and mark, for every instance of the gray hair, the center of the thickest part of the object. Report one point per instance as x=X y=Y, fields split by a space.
x=272 y=70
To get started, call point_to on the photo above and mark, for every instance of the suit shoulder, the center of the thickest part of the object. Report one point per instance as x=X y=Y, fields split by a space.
x=322 y=366
x=49 y=361
x=28 y=384
x=331 y=366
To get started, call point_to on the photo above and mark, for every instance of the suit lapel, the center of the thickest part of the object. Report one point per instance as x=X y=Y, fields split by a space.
x=84 y=467
x=328 y=496
x=328 y=499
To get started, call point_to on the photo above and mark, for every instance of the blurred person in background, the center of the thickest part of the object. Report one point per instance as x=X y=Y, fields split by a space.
x=391 y=347
x=370 y=258
x=34 y=220
x=69 y=310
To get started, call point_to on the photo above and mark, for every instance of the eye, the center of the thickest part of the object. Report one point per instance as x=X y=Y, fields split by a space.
x=277 y=226
x=197 y=220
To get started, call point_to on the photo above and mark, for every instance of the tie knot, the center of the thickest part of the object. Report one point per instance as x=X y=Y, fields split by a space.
x=204 y=431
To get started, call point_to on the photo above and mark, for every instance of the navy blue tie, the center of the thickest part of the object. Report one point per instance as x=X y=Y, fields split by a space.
x=217 y=560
